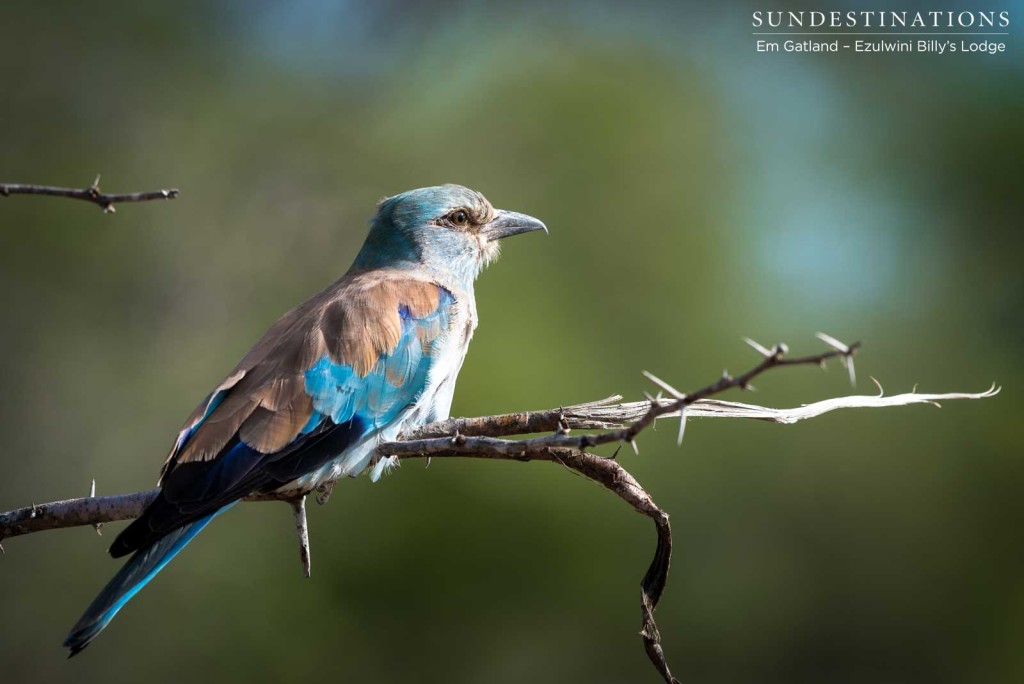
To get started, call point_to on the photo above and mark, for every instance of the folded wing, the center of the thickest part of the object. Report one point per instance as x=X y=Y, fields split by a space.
x=340 y=366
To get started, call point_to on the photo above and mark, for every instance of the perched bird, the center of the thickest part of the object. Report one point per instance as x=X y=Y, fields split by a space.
x=373 y=354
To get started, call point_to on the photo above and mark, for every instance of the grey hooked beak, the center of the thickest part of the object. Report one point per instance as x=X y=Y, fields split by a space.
x=509 y=223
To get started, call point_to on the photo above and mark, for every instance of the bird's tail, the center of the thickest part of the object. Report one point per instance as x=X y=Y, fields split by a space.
x=133 y=575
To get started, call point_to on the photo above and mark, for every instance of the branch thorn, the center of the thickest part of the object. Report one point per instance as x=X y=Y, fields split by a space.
x=302 y=530
x=763 y=351
x=682 y=425
x=673 y=392
x=92 y=494
x=848 y=362
x=563 y=426
x=832 y=342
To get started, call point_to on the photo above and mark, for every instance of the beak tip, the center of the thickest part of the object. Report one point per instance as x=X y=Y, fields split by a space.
x=509 y=223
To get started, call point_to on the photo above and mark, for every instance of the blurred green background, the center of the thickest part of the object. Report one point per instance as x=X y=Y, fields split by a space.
x=696 y=192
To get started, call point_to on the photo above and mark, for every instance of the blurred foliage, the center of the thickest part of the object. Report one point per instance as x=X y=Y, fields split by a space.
x=696 y=192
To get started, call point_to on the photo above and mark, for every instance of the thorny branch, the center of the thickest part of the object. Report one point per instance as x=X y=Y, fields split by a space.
x=89 y=194
x=486 y=437
x=656 y=408
x=302 y=531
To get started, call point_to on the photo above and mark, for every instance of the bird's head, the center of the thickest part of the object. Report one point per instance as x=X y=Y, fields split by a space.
x=449 y=231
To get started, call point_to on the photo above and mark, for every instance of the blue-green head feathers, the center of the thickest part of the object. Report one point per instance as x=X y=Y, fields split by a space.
x=448 y=231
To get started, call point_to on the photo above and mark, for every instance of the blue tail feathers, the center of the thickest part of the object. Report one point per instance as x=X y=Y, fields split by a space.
x=133 y=575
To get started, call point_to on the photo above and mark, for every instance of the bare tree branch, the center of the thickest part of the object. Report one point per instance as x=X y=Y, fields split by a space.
x=486 y=437
x=606 y=414
x=92 y=510
x=457 y=440
x=617 y=479
x=656 y=408
x=89 y=194
x=611 y=475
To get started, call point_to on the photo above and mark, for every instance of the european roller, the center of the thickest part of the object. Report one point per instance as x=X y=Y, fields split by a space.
x=376 y=353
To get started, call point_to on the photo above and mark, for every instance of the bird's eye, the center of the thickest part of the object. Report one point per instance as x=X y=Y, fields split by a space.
x=459 y=218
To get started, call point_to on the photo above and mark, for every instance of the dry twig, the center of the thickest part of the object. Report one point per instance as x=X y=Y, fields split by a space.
x=90 y=194
x=302 y=531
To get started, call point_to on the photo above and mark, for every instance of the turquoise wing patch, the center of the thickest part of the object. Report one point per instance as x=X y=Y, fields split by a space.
x=396 y=381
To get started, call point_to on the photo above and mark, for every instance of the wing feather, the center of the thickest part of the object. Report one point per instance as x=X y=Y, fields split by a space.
x=345 y=362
